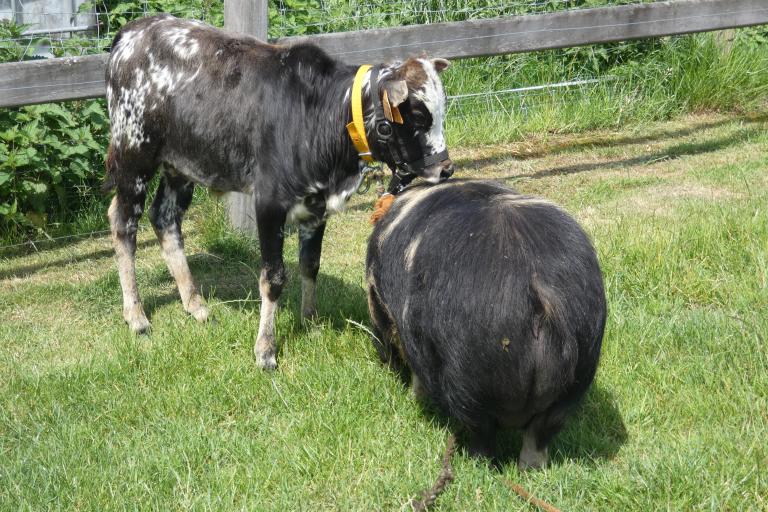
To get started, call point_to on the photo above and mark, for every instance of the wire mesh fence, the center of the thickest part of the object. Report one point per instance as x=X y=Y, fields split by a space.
x=521 y=90
x=333 y=16
x=53 y=30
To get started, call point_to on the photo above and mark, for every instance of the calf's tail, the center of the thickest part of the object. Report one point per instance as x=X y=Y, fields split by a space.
x=109 y=183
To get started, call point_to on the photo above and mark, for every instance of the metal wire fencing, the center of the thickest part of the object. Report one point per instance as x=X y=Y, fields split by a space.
x=491 y=81
x=333 y=16
x=56 y=28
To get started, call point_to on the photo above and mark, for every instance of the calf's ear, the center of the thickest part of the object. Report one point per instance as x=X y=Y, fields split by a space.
x=440 y=64
x=397 y=91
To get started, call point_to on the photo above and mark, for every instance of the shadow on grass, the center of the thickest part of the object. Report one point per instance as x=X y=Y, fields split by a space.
x=230 y=273
x=674 y=151
x=608 y=141
x=671 y=153
x=23 y=271
x=594 y=431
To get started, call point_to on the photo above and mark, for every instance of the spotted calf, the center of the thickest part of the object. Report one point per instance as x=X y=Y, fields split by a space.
x=232 y=113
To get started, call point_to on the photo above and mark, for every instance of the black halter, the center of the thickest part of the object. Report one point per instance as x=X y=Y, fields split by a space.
x=403 y=172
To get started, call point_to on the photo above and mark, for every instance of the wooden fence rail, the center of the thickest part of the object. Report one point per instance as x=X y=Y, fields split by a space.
x=25 y=83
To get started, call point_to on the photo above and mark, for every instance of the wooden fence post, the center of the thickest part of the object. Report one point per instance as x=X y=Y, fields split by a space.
x=247 y=17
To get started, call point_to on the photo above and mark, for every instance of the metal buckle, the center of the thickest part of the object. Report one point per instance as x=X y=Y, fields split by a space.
x=370 y=173
x=404 y=170
x=384 y=130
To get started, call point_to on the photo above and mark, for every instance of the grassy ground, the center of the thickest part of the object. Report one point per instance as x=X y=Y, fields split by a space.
x=94 y=418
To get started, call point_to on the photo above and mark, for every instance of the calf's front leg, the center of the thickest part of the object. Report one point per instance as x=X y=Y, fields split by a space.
x=270 y=224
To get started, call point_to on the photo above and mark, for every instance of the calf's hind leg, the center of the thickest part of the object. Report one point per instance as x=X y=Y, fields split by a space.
x=166 y=213
x=310 y=246
x=124 y=214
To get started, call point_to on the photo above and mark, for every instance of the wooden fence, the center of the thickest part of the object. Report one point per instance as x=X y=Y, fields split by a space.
x=31 y=82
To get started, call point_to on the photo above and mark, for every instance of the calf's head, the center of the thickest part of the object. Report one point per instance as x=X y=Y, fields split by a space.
x=413 y=101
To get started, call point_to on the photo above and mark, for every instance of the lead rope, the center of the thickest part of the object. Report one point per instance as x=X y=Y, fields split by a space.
x=429 y=496
x=530 y=498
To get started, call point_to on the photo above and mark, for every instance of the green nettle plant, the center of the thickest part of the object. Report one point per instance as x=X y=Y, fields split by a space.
x=51 y=162
x=10 y=31
x=115 y=13
x=51 y=156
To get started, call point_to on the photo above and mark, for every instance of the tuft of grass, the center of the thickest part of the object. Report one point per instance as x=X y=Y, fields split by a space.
x=632 y=83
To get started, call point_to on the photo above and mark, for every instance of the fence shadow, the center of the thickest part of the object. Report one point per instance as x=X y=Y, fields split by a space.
x=671 y=153
x=608 y=141
x=23 y=271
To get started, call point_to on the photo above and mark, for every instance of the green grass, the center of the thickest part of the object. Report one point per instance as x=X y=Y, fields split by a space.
x=93 y=418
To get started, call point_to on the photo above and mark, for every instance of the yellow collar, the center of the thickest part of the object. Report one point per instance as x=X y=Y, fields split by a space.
x=356 y=128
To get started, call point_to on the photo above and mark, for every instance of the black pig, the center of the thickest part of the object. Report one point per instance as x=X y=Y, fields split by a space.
x=493 y=303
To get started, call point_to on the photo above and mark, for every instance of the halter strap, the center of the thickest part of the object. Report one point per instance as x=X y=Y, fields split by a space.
x=356 y=128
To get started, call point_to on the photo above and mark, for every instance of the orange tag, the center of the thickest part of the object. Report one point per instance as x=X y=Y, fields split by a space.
x=391 y=112
x=396 y=115
x=382 y=206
